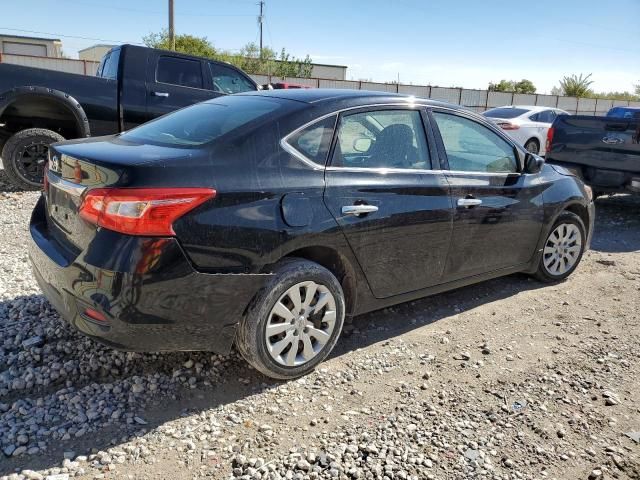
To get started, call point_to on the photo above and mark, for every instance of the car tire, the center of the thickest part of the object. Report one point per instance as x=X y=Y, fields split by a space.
x=532 y=145
x=563 y=248
x=32 y=144
x=274 y=311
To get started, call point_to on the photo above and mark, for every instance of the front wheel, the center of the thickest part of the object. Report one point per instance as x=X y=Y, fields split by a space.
x=294 y=322
x=532 y=146
x=563 y=248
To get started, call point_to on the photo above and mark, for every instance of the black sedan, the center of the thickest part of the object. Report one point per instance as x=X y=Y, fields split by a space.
x=263 y=219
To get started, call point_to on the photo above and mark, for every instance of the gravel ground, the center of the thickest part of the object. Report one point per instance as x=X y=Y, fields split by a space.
x=509 y=379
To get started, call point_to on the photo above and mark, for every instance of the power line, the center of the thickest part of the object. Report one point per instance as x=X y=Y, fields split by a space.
x=154 y=12
x=68 y=36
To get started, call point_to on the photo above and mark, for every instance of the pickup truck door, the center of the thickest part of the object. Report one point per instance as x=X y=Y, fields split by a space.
x=174 y=82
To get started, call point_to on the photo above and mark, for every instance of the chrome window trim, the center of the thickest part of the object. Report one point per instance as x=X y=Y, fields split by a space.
x=411 y=103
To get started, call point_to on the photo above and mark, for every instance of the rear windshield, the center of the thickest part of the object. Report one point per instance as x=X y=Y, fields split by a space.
x=204 y=122
x=505 y=112
x=621 y=112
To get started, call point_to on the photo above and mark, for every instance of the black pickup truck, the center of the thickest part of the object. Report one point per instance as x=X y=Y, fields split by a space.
x=133 y=85
x=603 y=151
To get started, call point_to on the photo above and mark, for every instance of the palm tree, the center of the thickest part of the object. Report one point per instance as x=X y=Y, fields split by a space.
x=576 y=86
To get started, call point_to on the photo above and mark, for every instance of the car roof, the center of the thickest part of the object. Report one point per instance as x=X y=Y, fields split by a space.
x=326 y=96
x=531 y=108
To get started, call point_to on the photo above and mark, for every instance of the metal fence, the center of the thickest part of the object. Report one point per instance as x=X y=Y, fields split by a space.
x=477 y=100
x=83 y=67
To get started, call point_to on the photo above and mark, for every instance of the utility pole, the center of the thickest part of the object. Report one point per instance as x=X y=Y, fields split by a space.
x=172 y=32
x=260 y=22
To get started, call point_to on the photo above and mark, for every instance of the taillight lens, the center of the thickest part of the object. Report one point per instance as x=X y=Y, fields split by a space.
x=141 y=211
x=45 y=178
x=550 y=134
x=508 y=126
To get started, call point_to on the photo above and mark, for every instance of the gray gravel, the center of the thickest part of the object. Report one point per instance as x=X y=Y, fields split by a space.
x=505 y=380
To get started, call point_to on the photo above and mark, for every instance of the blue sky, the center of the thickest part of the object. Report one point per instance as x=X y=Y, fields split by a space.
x=439 y=42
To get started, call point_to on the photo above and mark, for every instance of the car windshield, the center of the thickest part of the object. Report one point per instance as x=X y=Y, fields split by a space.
x=505 y=112
x=618 y=112
x=204 y=122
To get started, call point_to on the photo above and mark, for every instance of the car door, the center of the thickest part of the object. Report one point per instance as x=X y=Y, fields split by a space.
x=394 y=209
x=498 y=210
x=175 y=82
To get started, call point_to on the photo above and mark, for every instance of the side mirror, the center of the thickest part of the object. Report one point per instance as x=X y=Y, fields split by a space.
x=362 y=144
x=532 y=163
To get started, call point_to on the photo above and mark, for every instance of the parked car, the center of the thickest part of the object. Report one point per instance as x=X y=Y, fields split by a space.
x=133 y=85
x=528 y=125
x=603 y=151
x=264 y=219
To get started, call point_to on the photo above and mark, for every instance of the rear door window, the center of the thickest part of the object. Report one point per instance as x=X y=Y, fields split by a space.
x=179 y=71
x=110 y=67
x=382 y=139
x=227 y=80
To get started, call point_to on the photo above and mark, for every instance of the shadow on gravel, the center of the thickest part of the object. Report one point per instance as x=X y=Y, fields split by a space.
x=230 y=381
x=5 y=186
x=617 y=228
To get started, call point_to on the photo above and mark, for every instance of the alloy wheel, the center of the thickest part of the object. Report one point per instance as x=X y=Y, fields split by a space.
x=30 y=161
x=300 y=324
x=562 y=250
x=532 y=147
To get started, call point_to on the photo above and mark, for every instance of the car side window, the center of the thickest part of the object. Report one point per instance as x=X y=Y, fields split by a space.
x=382 y=139
x=110 y=67
x=227 y=80
x=179 y=71
x=535 y=117
x=472 y=147
x=314 y=141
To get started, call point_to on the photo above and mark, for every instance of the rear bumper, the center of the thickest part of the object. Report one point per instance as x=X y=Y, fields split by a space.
x=146 y=289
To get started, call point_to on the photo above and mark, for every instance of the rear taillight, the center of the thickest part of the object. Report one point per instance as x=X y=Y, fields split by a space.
x=45 y=178
x=141 y=211
x=508 y=126
x=550 y=134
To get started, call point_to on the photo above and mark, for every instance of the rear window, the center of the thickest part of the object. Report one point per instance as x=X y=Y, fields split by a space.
x=505 y=112
x=204 y=122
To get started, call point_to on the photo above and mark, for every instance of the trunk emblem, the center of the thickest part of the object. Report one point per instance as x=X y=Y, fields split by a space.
x=55 y=164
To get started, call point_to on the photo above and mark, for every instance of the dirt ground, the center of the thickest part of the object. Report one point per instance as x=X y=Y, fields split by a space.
x=505 y=379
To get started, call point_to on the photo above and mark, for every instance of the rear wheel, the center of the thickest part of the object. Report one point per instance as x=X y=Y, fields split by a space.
x=294 y=322
x=25 y=154
x=563 y=248
x=532 y=146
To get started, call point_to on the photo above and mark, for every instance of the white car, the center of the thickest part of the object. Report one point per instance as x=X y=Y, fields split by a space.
x=526 y=124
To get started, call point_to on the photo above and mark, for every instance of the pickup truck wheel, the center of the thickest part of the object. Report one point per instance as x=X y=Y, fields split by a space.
x=25 y=154
x=294 y=322
x=563 y=248
x=532 y=146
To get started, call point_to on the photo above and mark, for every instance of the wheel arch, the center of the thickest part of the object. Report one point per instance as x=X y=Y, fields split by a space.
x=41 y=107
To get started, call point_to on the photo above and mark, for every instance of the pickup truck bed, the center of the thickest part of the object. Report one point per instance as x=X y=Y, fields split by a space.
x=604 y=151
x=133 y=85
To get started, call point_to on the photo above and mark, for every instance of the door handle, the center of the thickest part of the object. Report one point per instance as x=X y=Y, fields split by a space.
x=358 y=209
x=160 y=94
x=469 y=202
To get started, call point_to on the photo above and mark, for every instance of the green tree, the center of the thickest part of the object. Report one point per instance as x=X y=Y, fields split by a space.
x=502 y=86
x=576 y=86
x=189 y=44
x=523 y=86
